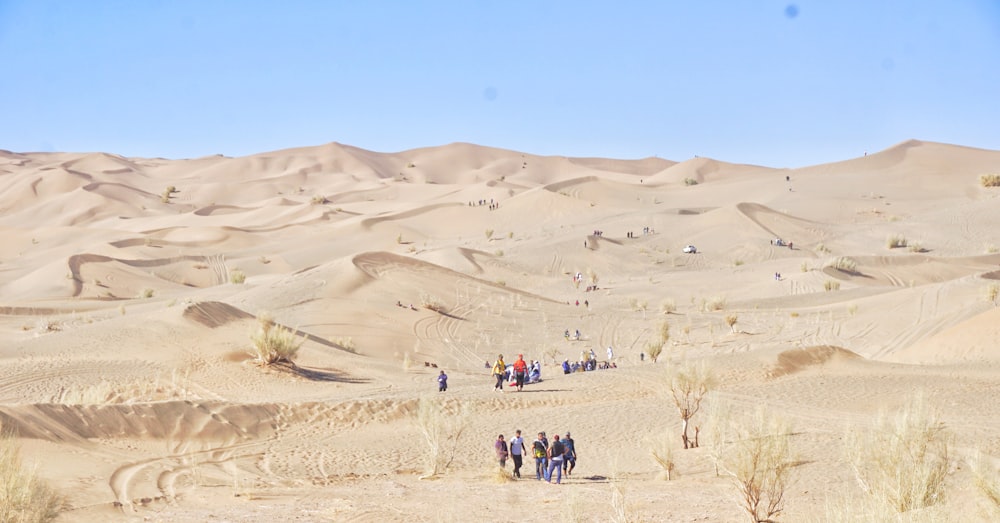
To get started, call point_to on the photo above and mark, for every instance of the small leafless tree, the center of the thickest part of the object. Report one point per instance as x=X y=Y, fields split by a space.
x=689 y=383
x=759 y=460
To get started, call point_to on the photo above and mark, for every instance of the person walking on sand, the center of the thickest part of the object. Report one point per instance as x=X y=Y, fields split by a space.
x=442 y=382
x=569 y=461
x=556 y=452
x=517 y=451
x=499 y=368
x=520 y=372
x=501 y=448
x=539 y=449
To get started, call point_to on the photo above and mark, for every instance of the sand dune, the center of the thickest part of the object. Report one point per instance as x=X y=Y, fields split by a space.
x=125 y=369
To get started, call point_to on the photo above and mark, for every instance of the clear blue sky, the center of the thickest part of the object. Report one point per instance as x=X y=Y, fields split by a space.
x=776 y=83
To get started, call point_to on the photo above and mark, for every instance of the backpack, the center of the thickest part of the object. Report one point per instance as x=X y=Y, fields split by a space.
x=539 y=449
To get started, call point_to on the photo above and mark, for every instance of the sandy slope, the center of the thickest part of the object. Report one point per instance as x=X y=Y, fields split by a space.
x=123 y=367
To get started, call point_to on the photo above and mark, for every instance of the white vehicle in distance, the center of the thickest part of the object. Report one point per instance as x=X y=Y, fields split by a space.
x=690 y=249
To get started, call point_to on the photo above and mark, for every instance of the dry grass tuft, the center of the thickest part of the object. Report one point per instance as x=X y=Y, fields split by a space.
x=987 y=480
x=903 y=459
x=237 y=276
x=844 y=264
x=989 y=180
x=273 y=343
x=991 y=293
x=831 y=285
x=714 y=303
x=499 y=475
x=895 y=240
x=24 y=497
x=442 y=425
x=662 y=451
x=655 y=347
x=668 y=306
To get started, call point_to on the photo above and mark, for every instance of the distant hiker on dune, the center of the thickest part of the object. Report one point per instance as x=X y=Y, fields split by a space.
x=442 y=382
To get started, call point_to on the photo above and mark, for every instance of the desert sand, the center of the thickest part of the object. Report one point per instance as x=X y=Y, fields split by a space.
x=126 y=376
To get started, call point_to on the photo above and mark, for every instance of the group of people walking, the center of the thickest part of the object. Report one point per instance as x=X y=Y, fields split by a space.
x=557 y=457
x=519 y=373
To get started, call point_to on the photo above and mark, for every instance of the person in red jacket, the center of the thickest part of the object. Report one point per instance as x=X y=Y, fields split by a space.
x=520 y=371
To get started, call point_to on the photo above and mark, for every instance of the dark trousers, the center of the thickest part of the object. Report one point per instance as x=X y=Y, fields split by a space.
x=517 y=465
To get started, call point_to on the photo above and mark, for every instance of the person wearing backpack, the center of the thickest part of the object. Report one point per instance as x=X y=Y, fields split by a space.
x=569 y=457
x=556 y=452
x=539 y=449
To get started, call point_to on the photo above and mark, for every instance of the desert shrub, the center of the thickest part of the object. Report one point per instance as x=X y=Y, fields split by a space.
x=24 y=497
x=731 y=320
x=987 y=479
x=346 y=344
x=499 y=475
x=236 y=276
x=431 y=302
x=273 y=343
x=844 y=264
x=689 y=383
x=989 y=180
x=319 y=199
x=758 y=458
x=668 y=306
x=45 y=325
x=714 y=303
x=804 y=267
x=831 y=285
x=895 y=240
x=794 y=314
x=622 y=511
x=821 y=247
x=991 y=292
x=903 y=459
x=737 y=263
x=167 y=193
x=991 y=249
x=852 y=309
x=655 y=346
x=690 y=181
x=442 y=426
x=489 y=234
x=662 y=452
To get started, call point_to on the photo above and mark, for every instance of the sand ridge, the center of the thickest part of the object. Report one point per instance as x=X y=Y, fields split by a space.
x=125 y=374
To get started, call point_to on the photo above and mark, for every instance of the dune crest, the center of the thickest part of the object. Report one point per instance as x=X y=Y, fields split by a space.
x=129 y=289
